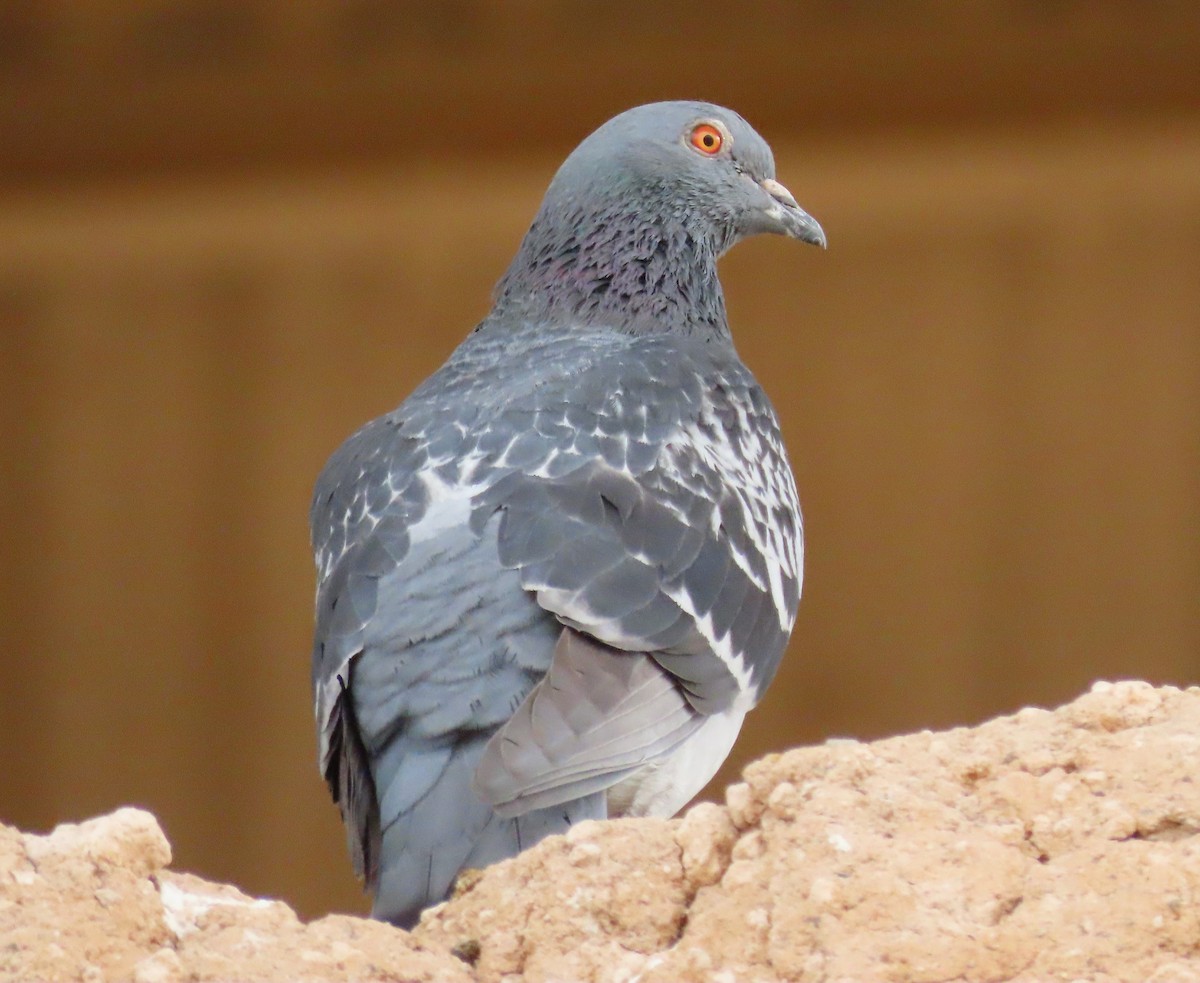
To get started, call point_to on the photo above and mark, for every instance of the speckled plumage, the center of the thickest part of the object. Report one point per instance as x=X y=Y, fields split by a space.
x=591 y=492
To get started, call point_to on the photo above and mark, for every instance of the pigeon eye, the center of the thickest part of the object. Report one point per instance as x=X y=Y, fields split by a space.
x=707 y=139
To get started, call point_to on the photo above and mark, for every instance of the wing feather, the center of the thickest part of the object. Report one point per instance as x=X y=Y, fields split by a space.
x=597 y=715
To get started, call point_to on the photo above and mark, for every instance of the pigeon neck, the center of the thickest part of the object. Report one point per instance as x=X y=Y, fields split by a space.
x=619 y=268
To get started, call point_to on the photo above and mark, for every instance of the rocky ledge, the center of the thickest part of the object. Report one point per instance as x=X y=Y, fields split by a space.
x=1048 y=845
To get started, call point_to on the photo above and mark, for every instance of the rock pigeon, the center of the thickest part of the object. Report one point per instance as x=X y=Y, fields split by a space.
x=552 y=582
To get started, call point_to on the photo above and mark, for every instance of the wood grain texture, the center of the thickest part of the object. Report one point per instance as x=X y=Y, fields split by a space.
x=121 y=87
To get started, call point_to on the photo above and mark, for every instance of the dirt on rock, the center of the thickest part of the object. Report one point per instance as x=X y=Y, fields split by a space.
x=1042 y=846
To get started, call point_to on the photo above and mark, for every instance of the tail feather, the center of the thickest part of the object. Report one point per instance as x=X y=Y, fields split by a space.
x=352 y=785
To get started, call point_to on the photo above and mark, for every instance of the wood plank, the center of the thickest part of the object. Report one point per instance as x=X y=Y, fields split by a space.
x=119 y=88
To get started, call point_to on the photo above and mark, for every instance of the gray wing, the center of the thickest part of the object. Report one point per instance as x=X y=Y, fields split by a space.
x=424 y=646
x=596 y=717
x=353 y=496
x=691 y=563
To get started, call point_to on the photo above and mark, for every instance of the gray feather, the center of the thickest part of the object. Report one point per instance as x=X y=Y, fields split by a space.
x=597 y=715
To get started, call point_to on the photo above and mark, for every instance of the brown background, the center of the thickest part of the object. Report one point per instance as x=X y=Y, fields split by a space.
x=230 y=232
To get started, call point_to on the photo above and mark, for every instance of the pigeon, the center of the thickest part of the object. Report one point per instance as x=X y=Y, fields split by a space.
x=553 y=581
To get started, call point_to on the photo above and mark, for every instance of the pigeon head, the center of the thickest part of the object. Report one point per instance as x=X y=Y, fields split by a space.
x=692 y=161
x=634 y=221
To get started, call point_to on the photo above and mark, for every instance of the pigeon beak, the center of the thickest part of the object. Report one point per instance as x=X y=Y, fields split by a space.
x=788 y=218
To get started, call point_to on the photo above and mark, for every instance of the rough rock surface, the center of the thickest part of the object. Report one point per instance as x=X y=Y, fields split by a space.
x=1043 y=846
x=93 y=902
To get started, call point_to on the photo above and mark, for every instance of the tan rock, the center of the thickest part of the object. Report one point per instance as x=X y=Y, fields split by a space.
x=79 y=903
x=1042 y=846
x=1038 y=847
x=582 y=907
x=92 y=902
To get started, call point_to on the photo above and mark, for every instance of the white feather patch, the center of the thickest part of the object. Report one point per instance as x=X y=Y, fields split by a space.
x=752 y=465
x=668 y=783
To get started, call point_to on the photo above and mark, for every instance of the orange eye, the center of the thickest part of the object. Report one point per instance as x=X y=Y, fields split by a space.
x=707 y=139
